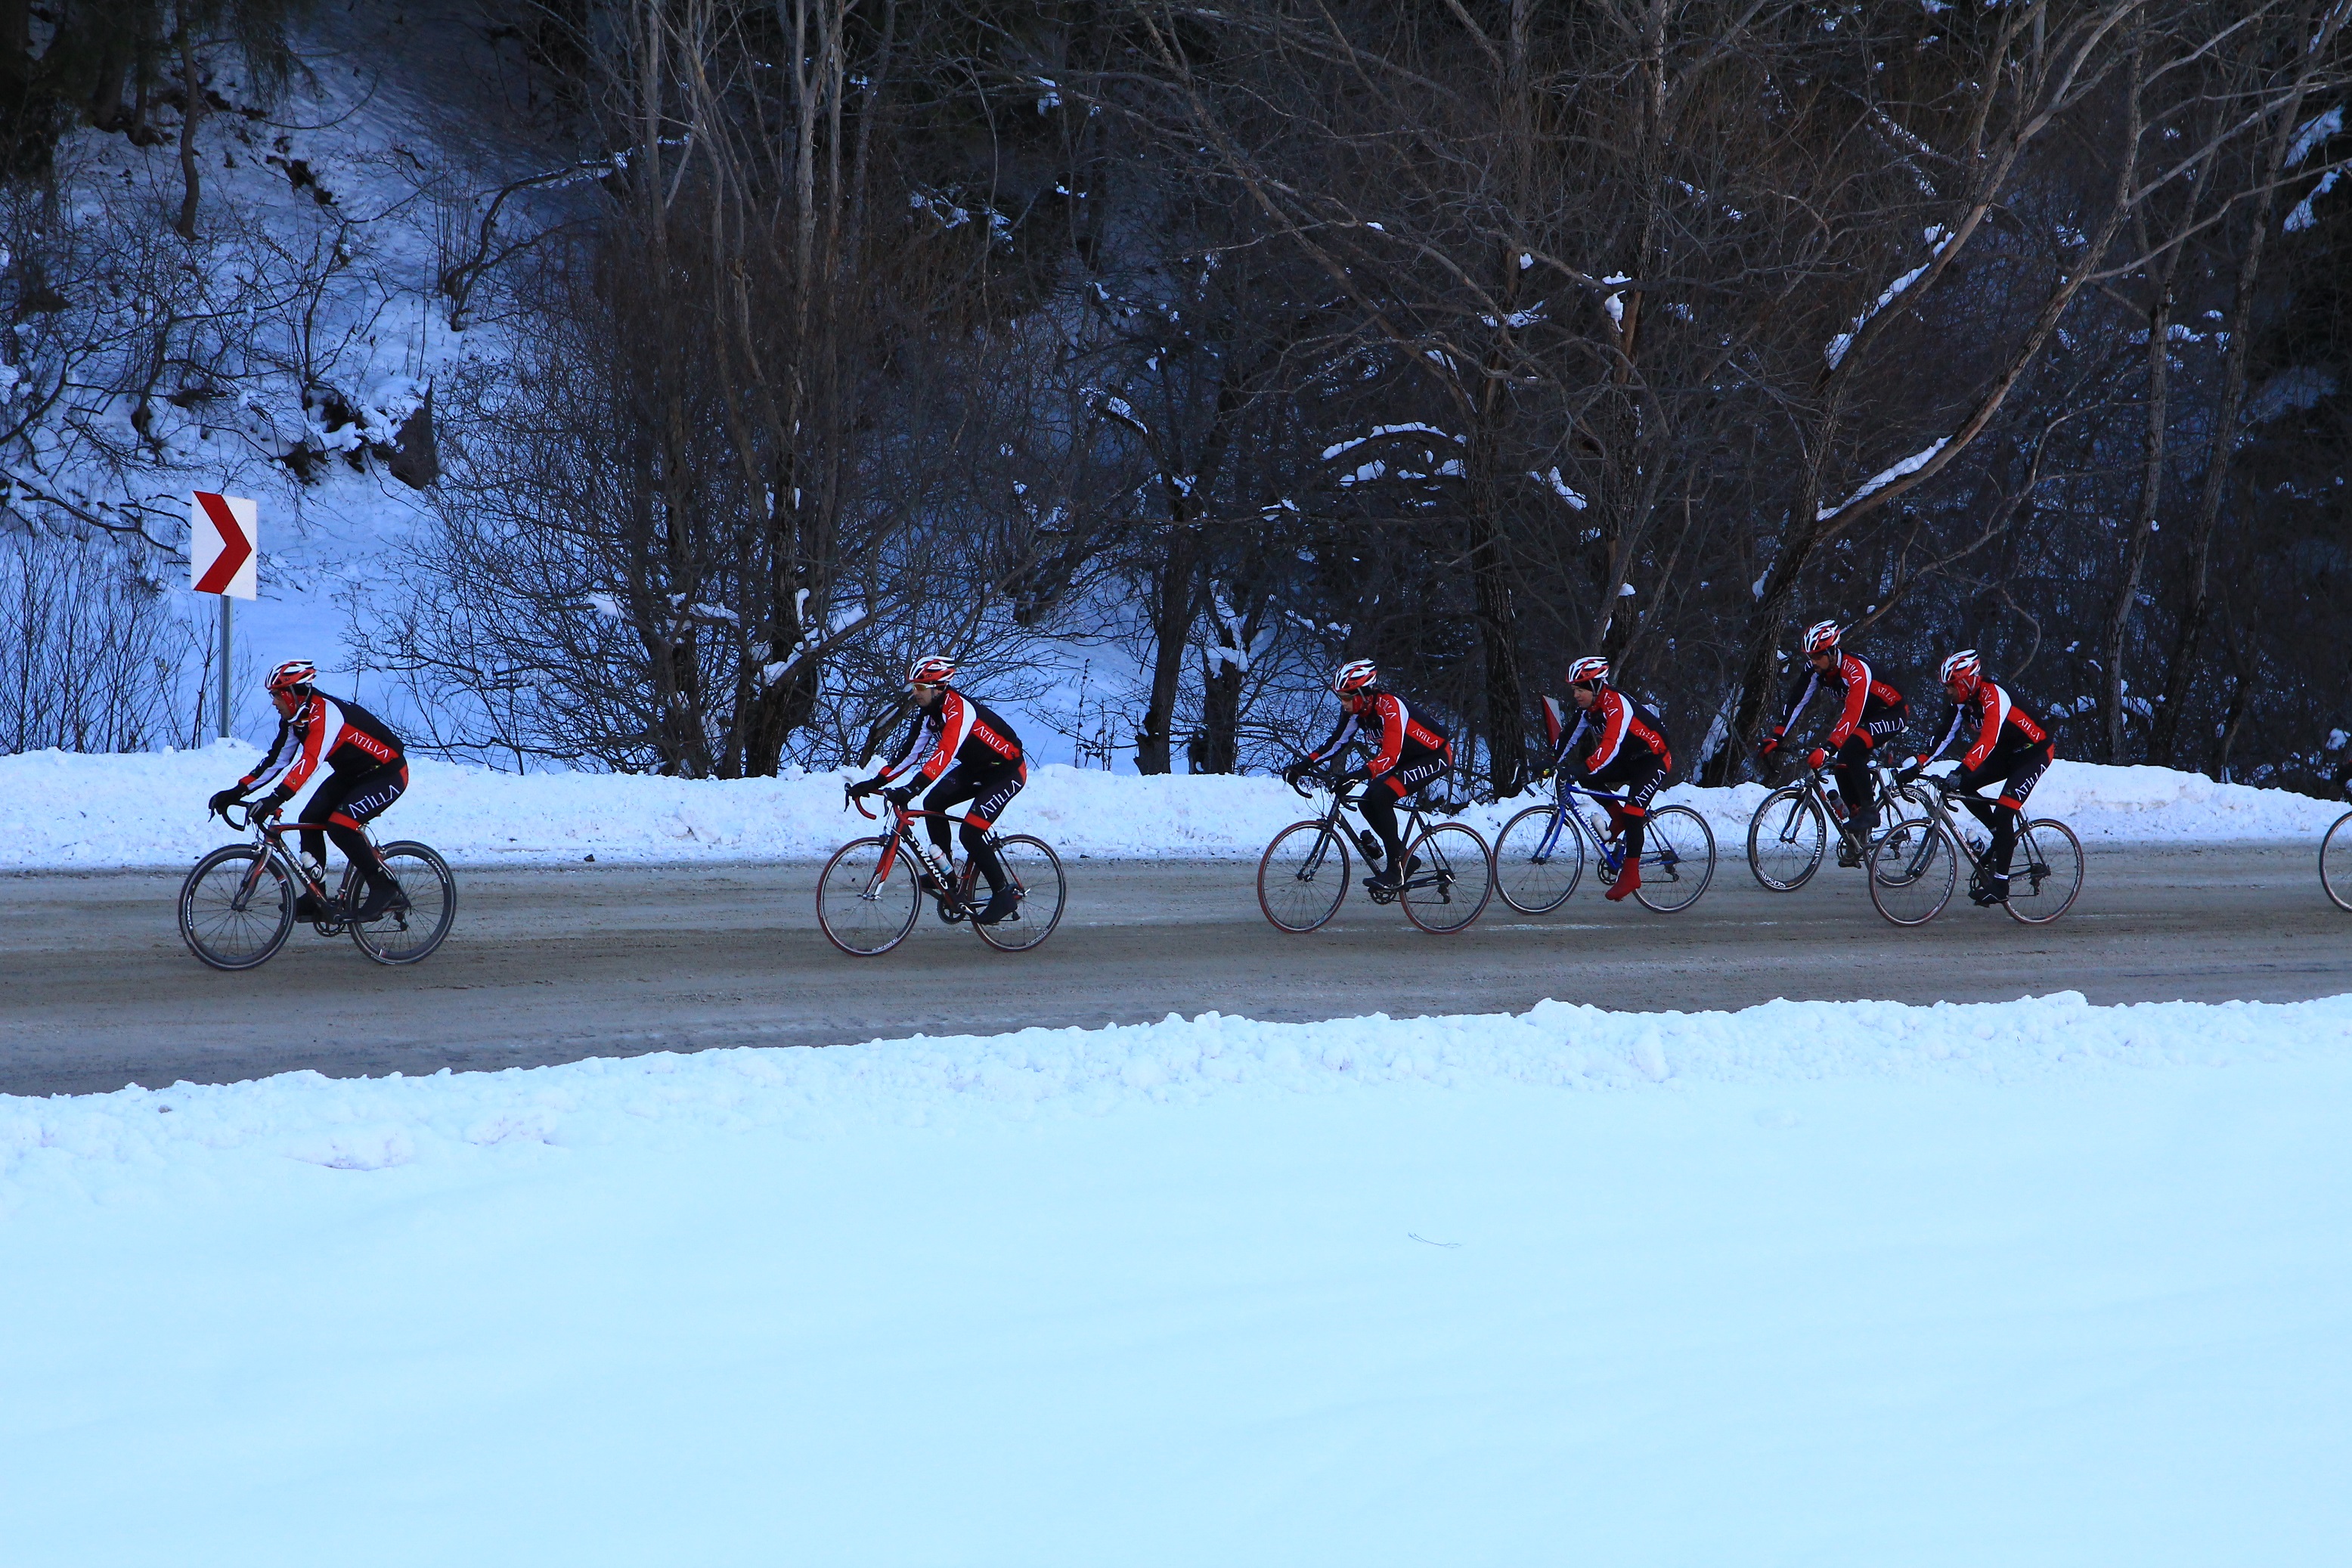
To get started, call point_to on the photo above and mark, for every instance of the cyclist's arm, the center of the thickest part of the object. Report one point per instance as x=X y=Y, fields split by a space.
x=1393 y=717
x=1857 y=693
x=1612 y=724
x=1992 y=713
x=1951 y=734
x=1339 y=737
x=914 y=744
x=1801 y=695
x=269 y=765
x=956 y=718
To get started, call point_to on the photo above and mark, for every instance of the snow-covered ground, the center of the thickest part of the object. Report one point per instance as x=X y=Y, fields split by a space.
x=66 y=810
x=2024 y=1283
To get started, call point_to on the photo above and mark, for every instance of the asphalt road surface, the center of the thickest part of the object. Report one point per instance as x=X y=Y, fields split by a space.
x=549 y=965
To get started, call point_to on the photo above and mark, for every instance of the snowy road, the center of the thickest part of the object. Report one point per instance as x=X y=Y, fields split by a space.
x=549 y=965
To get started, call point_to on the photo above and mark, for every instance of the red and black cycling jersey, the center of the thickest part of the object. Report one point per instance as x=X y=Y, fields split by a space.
x=2004 y=733
x=343 y=735
x=1404 y=739
x=1864 y=700
x=960 y=731
x=1614 y=723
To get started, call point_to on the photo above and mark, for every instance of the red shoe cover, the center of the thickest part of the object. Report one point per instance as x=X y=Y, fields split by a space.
x=1627 y=880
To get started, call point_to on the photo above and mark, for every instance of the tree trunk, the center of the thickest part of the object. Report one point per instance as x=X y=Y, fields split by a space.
x=2164 y=733
x=1490 y=571
x=2151 y=486
x=1171 y=625
x=191 y=113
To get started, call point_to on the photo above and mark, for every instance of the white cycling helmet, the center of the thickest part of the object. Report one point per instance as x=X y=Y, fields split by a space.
x=1962 y=666
x=931 y=669
x=1354 y=676
x=1822 y=636
x=1590 y=671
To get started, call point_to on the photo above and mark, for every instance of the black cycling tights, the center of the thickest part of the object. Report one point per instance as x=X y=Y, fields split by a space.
x=345 y=801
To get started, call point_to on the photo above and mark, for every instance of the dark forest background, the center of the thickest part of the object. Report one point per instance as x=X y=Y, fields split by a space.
x=1470 y=335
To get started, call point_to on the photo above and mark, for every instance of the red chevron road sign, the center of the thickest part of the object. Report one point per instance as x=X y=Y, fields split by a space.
x=224 y=544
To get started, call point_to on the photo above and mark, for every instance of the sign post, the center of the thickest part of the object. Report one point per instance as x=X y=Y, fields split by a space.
x=223 y=557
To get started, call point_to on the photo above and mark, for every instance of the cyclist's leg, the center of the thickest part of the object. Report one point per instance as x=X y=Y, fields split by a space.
x=954 y=788
x=365 y=797
x=1638 y=775
x=323 y=802
x=2024 y=774
x=1377 y=803
x=991 y=793
x=1853 y=774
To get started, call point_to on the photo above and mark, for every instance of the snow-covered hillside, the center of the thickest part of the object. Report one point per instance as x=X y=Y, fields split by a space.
x=60 y=809
x=1842 y=1284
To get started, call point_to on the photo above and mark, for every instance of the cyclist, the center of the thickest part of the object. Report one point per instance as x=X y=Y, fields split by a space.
x=974 y=756
x=366 y=772
x=1869 y=712
x=2010 y=747
x=1628 y=748
x=1410 y=752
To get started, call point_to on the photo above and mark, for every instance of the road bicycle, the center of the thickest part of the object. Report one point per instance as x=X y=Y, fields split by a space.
x=872 y=889
x=236 y=908
x=1912 y=875
x=1304 y=874
x=1539 y=855
x=2336 y=862
x=1790 y=830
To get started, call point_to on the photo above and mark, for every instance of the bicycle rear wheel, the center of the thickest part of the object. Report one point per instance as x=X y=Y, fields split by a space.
x=1912 y=873
x=1449 y=887
x=234 y=914
x=1038 y=880
x=1786 y=838
x=862 y=910
x=406 y=936
x=2336 y=863
x=2048 y=872
x=1302 y=876
x=1677 y=859
x=1536 y=865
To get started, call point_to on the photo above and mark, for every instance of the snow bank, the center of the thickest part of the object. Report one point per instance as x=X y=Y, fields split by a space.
x=141 y=1136
x=1840 y=1284
x=66 y=810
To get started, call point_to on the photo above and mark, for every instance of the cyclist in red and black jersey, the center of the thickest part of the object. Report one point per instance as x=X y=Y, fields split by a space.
x=968 y=755
x=366 y=772
x=1869 y=710
x=1411 y=751
x=2010 y=747
x=1614 y=742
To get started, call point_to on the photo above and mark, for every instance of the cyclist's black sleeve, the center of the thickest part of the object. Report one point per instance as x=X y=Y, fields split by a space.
x=1349 y=726
x=1808 y=681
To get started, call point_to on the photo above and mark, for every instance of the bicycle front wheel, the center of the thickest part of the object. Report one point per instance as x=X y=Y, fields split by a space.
x=1447 y=878
x=236 y=908
x=2336 y=862
x=1038 y=883
x=2048 y=875
x=1912 y=874
x=1302 y=876
x=863 y=908
x=409 y=936
x=1538 y=859
x=1785 y=839
x=1677 y=859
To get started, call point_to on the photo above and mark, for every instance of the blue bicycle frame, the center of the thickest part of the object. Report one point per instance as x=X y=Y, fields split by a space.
x=1612 y=860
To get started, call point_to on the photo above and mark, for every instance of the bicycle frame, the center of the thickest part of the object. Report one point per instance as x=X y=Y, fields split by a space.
x=903 y=840
x=1347 y=796
x=269 y=834
x=1939 y=807
x=1820 y=788
x=1563 y=813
